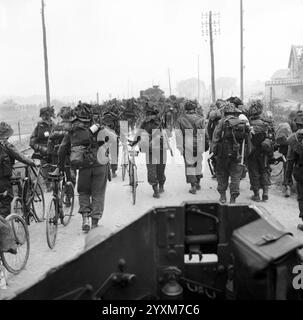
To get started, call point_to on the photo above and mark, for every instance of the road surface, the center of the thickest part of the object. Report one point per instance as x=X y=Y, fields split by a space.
x=119 y=212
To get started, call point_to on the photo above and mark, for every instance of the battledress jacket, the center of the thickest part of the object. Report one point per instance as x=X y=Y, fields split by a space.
x=38 y=136
x=185 y=142
x=294 y=164
x=14 y=154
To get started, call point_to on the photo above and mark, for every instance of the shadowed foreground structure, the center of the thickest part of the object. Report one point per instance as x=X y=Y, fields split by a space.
x=199 y=250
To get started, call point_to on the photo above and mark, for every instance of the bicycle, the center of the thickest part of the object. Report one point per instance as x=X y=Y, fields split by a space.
x=61 y=206
x=15 y=261
x=31 y=195
x=133 y=175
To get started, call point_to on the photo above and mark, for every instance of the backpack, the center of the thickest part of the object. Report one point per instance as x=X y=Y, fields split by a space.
x=260 y=128
x=283 y=132
x=234 y=129
x=6 y=165
x=83 y=149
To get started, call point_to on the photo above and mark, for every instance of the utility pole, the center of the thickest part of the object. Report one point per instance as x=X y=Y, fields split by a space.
x=241 y=52
x=169 y=82
x=45 y=55
x=97 y=97
x=213 y=84
x=198 y=78
x=210 y=28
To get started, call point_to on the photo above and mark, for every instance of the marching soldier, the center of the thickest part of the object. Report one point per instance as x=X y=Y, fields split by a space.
x=8 y=155
x=153 y=144
x=228 y=139
x=39 y=140
x=81 y=145
x=111 y=120
x=294 y=166
x=56 y=137
x=190 y=142
x=261 y=153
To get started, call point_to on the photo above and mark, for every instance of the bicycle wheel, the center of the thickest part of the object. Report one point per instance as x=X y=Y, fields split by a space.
x=52 y=223
x=17 y=207
x=38 y=204
x=14 y=263
x=67 y=202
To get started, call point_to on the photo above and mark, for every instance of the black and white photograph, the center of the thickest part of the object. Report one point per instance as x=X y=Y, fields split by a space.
x=151 y=150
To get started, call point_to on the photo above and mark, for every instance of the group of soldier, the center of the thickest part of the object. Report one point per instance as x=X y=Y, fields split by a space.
x=240 y=139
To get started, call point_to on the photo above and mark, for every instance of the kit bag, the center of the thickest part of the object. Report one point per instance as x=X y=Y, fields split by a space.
x=83 y=153
x=264 y=258
x=260 y=130
x=234 y=129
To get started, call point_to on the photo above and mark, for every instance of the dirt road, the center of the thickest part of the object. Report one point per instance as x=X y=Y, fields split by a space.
x=119 y=212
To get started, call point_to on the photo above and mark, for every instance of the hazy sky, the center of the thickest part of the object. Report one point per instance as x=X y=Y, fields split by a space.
x=112 y=45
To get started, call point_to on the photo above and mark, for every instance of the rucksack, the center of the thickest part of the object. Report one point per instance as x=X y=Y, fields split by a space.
x=83 y=147
x=6 y=165
x=234 y=129
x=260 y=129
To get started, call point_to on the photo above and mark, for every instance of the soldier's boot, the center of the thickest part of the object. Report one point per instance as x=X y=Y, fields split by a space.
x=265 y=194
x=287 y=192
x=198 y=186
x=193 y=189
x=233 y=198
x=85 y=223
x=223 y=198
x=156 y=192
x=161 y=187
x=95 y=222
x=256 y=196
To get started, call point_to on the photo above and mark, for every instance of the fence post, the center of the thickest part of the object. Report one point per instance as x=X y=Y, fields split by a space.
x=19 y=131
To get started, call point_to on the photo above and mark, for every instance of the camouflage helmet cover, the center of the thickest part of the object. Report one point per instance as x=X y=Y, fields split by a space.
x=229 y=107
x=65 y=112
x=256 y=108
x=47 y=111
x=190 y=105
x=83 y=112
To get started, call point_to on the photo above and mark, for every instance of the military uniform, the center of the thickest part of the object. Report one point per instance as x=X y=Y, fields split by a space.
x=261 y=153
x=39 y=140
x=295 y=166
x=56 y=137
x=156 y=155
x=190 y=142
x=8 y=155
x=227 y=154
x=92 y=178
x=111 y=120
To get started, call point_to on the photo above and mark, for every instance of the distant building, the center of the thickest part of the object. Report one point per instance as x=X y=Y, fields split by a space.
x=288 y=83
